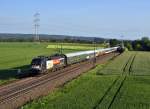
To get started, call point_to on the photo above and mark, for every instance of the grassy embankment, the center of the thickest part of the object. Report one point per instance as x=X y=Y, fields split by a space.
x=114 y=85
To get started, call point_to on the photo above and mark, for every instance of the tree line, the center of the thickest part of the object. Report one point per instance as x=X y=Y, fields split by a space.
x=138 y=45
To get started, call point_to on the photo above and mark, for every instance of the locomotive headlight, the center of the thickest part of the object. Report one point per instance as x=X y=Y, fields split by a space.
x=36 y=67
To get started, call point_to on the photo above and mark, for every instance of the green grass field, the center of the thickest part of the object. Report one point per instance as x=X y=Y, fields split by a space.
x=76 y=46
x=117 y=66
x=122 y=83
x=141 y=64
x=81 y=93
x=134 y=94
x=15 y=56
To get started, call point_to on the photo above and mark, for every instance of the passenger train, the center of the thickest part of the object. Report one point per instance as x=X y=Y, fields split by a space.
x=41 y=64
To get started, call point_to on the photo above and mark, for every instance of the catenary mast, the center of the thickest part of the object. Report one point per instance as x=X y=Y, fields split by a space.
x=36 y=26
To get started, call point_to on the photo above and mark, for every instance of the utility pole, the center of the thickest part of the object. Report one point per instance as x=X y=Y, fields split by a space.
x=61 y=49
x=36 y=26
x=94 y=59
x=57 y=47
x=122 y=43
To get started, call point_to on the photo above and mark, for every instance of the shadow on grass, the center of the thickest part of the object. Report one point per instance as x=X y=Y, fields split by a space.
x=12 y=73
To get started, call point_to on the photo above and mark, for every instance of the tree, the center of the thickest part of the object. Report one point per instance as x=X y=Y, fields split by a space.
x=145 y=43
x=113 y=42
x=138 y=46
x=145 y=39
x=129 y=46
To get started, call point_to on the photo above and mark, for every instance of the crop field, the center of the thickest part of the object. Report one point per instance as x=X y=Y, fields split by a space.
x=122 y=83
x=15 y=56
x=141 y=65
x=134 y=94
x=73 y=46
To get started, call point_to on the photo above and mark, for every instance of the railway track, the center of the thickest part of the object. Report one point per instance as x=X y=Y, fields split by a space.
x=34 y=83
x=15 y=95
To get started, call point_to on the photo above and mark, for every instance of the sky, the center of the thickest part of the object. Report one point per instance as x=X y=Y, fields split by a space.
x=95 y=18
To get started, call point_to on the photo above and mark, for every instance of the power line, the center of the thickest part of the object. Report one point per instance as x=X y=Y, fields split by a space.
x=36 y=25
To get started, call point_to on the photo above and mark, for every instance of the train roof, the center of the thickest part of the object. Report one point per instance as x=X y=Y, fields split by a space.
x=88 y=52
x=79 y=53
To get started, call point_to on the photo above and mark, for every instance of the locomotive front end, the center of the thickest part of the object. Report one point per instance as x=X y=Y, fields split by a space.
x=41 y=64
x=36 y=65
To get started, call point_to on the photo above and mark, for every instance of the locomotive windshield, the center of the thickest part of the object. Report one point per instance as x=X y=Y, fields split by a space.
x=36 y=62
